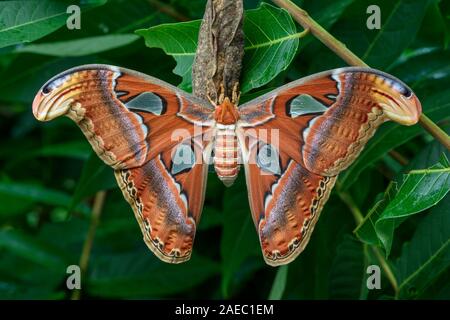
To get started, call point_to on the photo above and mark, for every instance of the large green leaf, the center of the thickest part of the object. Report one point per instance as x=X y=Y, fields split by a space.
x=397 y=32
x=366 y=230
x=429 y=156
x=427 y=255
x=25 y=77
x=139 y=274
x=22 y=278
x=419 y=190
x=434 y=31
x=80 y=47
x=25 y=21
x=210 y=218
x=271 y=44
x=31 y=249
x=309 y=275
x=239 y=239
x=178 y=40
x=96 y=176
x=38 y=194
x=348 y=274
x=426 y=70
x=73 y=149
x=120 y=16
x=326 y=12
x=400 y=21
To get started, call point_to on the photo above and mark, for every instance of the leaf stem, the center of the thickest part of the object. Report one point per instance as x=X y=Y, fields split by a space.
x=429 y=171
x=88 y=242
x=303 y=18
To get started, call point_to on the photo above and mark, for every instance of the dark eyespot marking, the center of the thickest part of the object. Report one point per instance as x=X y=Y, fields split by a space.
x=54 y=83
x=46 y=89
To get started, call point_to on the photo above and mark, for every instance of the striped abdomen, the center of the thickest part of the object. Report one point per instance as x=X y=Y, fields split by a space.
x=226 y=154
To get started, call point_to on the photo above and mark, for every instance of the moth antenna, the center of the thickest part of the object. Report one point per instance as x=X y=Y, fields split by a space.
x=236 y=94
x=222 y=93
x=214 y=103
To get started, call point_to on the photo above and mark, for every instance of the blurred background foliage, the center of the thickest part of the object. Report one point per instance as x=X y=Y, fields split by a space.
x=49 y=175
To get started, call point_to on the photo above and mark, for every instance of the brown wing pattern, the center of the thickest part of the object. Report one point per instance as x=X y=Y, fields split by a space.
x=285 y=199
x=138 y=124
x=168 y=201
x=127 y=117
x=315 y=128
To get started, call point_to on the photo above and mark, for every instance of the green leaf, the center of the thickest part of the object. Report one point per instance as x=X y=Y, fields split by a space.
x=427 y=255
x=24 y=78
x=33 y=250
x=309 y=274
x=14 y=291
x=419 y=190
x=366 y=230
x=24 y=279
x=12 y=205
x=326 y=13
x=74 y=149
x=38 y=194
x=400 y=22
x=25 y=21
x=35 y=193
x=279 y=284
x=271 y=44
x=178 y=40
x=396 y=34
x=423 y=67
x=141 y=275
x=210 y=218
x=348 y=276
x=239 y=238
x=434 y=31
x=117 y=16
x=96 y=176
x=81 y=47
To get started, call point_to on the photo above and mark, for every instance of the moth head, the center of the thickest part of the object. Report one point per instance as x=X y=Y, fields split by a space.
x=55 y=97
x=398 y=102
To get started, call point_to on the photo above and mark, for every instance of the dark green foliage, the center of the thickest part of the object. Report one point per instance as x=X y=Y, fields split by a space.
x=49 y=175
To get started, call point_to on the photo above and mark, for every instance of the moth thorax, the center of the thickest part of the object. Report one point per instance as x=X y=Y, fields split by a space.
x=226 y=113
